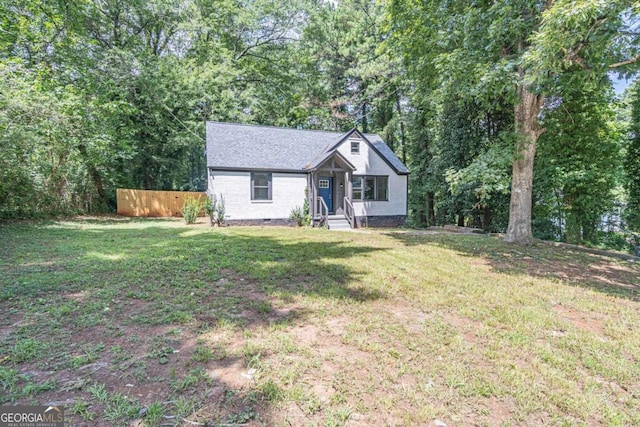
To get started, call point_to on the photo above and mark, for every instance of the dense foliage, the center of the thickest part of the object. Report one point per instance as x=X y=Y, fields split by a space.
x=532 y=58
x=103 y=94
x=632 y=164
x=578 y=169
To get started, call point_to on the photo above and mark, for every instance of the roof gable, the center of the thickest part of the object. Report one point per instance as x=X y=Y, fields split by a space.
x=324 y=158
x=249 y=147
x=378 y=146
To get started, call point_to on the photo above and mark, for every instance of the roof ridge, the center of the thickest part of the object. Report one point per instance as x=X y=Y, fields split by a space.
x=277 y=127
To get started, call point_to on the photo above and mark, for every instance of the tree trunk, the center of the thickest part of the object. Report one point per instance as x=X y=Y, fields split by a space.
x=431 y=208
x=365 y=123
x=97 y=178
x=403 y=142
x=487 y=215
x=526 y=123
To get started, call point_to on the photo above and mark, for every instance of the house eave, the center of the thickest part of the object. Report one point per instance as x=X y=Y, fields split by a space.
x=248 y=169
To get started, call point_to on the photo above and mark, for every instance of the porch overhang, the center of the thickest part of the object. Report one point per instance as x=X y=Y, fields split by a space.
x=330 y=168
x=331 y=156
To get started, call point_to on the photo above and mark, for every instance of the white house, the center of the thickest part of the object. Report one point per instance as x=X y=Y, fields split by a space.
x=264 y=172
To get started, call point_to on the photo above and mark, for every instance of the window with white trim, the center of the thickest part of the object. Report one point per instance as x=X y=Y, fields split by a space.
x=261 y=185
x=370 y=188
x=355 y=146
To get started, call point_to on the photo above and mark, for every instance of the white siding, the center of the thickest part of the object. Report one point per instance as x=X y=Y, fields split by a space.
x=287 y=193
x=368 y=162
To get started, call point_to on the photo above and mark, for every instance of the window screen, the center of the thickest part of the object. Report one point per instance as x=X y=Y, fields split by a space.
x=261 y=186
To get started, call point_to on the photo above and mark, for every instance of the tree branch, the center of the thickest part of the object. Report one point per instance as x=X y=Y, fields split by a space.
x=627 y=62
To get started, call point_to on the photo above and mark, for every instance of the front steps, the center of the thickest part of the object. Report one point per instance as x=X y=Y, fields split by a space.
x=338 y=222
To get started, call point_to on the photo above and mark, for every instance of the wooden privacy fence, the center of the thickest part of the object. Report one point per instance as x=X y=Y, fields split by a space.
x=152 y=203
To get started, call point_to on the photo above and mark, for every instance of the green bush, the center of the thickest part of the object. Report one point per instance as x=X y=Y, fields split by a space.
x=208 y=207
x=297 y=215
x=301 y=215
x=305 y=211
x=191 y=207
x=216 y=209
x=615 y=241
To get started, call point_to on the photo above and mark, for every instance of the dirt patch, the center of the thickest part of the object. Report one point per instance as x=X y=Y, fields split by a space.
x=412 y=319
x=498 y=411
x=592 y=323
x=8 y=324
x=233 y=372
x=78 y=296
x=306 y=335
x=152 y=366
x=336 y=325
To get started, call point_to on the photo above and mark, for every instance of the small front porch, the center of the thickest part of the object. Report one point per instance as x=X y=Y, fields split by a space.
x=330 y=191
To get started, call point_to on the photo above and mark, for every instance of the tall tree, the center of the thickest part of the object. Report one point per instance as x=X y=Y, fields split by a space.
x=114 y=93
x=352 y=82
x=422 y=182
x=515 y=50
x=632 y=163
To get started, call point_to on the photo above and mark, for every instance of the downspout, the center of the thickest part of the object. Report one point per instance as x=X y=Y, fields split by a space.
x=350 y=195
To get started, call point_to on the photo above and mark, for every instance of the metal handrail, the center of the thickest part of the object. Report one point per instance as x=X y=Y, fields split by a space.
x=323 y=210
x=349 y=212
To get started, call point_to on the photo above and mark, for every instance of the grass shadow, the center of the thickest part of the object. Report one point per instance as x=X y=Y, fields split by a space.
x=607 y=275
x=160 y=309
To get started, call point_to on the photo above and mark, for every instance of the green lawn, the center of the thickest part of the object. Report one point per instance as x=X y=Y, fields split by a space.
x=152 y=322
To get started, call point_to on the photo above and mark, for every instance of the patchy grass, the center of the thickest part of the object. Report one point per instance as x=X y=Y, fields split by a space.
x=153 y=322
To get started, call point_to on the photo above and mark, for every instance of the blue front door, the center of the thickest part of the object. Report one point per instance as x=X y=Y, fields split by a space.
x=325 y=189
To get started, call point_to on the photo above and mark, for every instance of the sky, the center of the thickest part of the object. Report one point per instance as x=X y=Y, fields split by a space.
x=619 y=85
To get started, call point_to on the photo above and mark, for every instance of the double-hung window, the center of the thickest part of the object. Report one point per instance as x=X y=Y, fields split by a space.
x=355 y=146
x=261 y=185
x=356 y=183
x=370 y=188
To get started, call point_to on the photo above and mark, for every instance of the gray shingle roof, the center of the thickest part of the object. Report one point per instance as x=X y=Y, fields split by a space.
x=236 y=146
x=387 y=153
